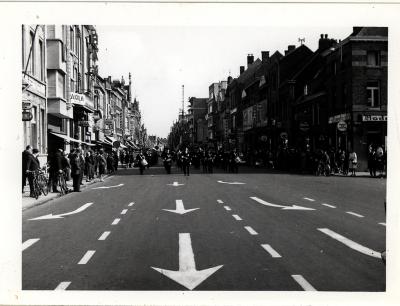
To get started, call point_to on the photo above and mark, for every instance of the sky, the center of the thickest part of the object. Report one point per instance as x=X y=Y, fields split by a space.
x=162 y=59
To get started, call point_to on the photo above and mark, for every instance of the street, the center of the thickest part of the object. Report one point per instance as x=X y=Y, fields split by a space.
x=256 y=230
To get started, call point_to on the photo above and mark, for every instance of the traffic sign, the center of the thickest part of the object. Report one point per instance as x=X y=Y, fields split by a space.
x=342 y=126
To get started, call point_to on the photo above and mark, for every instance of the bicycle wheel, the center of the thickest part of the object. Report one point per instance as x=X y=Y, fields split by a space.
x=61 y=185
x=65 y=186
x=43 y=184
x=36 y=189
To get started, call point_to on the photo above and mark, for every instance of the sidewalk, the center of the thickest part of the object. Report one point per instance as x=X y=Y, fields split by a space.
x=28 y=202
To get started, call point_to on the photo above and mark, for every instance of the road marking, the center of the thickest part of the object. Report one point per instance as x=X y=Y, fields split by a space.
x=227 y=208
x=303 y=283
x=271 y=251
x=308 y=199
x=116 y=221
x=237 y=217
x=60 y=216
x=63 y=285
x=220 y=202
x=327 y=205
x=86 y=257
x=123 y=212
x=231 y=183
x=131 y=204
x=187 y=275
x=29 y=242
x=104 y=236
x=176 y=184
x=293 y=207
x=106 y=187
x=354 y=214
x=250 y=230
x=180 y=209
x=350 y=243
x=382 y=223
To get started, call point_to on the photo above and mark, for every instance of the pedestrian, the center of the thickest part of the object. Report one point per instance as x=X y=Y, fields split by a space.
x=101 y=161
x=167 y=158
x=32 y=165
x=372 y=161
x=82 y=165
x=380 y=161
x=55 y=169
x=186 y=161
x=66 y=166
x=75 y=169
x=127 y=159
x=25 y=155
x=210 y=162
x=353 y=162
x=142 y=162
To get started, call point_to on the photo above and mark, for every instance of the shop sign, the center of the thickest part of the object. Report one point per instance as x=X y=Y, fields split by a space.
x=337 y=118
x=26 y=104
x=27 y=116
x=342 y=126
x=83 y=123
x=374 y=118
x=304 y=126
x=77 y=99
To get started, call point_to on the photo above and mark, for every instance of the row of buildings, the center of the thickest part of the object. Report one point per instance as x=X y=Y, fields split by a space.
x=65 y=102
x=333 y=98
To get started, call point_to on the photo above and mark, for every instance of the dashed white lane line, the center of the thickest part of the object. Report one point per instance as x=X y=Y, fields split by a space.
x=220 y=201
x=303 y=283
x=123 y=212
x=237 y=217
x=382 y=223
x=85 y=259
x=250 y=230
x=271 y=251
x=63 y=286
x=227 y=208
x=131 y=204
x=116 y=221
x=328 y=205
x=350 y=243
x=354 y=214
x=29 y=243
x=309 y=199
x=104 y=236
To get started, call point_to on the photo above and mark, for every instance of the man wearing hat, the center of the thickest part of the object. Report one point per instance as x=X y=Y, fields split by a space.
x=32 y=165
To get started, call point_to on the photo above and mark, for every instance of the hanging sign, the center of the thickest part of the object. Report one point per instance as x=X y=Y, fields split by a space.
x=27 y=116
x=342 y=126
x=77 y=99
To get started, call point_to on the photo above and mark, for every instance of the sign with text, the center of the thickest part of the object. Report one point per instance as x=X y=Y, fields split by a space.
x=83 y=123
x=77 y=99
x=342 y=126
x=374 y=118
x=337 y=118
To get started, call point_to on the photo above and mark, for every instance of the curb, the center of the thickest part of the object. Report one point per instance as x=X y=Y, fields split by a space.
x=56 y=196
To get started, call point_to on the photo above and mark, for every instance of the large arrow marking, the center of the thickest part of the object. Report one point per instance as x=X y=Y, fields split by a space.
x=106 y=187
x=231 y=183
x=60 y=216
x=180 y=209
x=187 y=275
x=175 y=184
x=293 y=207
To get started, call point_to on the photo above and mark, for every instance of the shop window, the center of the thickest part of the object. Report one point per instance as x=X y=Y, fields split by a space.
x=373 y=94
x=373 y=58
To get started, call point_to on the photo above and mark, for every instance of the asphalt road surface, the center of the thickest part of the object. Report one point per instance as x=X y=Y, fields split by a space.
x=248 y=231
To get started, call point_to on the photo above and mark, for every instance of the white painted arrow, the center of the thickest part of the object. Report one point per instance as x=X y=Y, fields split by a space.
x=231 y=183
x=60 y=216
x=187 y=275
x=106 y=187
x=180 y=209
x=293 y=207
x=175 y=184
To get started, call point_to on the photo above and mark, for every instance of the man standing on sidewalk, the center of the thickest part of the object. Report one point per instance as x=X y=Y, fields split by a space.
x=25 y=156
x=75 y=169
x=55 y=168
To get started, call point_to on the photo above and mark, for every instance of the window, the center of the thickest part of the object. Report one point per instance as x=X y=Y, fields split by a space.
x=43 y=130
x=31 y=59
x=34 y=134
x=373 y=58
x=61 y=85
x=41 y=68
x=373 y=94
x=306 y=90
x=71 y=39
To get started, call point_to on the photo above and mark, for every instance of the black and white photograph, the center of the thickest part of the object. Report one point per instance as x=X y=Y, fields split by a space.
x=229 y=161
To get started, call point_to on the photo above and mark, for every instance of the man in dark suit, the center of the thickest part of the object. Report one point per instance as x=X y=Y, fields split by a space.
x=75 y=169
x=32 y=165
x=55 y=168
x=25 y=155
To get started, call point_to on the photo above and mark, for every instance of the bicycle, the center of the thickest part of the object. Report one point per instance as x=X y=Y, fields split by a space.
x=40 y=183
x=62 y=183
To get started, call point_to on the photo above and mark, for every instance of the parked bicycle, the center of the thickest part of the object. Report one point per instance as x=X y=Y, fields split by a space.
x=40 y=183
x=62 y=183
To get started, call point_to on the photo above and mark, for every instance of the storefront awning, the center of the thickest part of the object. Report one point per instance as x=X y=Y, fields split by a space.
x=132 y=144
x=66 y=138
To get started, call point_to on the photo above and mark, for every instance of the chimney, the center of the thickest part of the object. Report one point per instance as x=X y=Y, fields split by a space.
x=291 y=48
x=264 y=56
x=229 y=80
x=241 y=69
x=250 y=59
x=325 y=43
